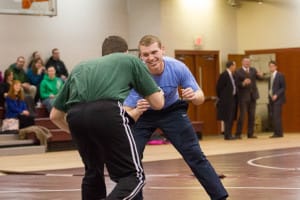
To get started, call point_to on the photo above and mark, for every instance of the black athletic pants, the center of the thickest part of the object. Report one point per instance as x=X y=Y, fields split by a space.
x=178 y=129
x=102 y=132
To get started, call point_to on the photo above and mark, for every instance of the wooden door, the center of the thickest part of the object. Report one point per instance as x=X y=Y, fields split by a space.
x=207 y=71
x=237 y=58
x=204 y=65
x=288 y=60
x=190 y=61
x=288 y=63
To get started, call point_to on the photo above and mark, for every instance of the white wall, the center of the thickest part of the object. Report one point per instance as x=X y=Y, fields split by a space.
x=144 y=17
x=177 y=22
x=274 y=24
x=78 y=31
x=80 y=27
x=213 y=20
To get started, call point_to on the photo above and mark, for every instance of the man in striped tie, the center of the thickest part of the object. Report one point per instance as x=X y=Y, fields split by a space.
x=227 y=99
x=276 y=98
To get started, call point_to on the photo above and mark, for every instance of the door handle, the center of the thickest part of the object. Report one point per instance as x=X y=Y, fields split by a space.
x=211 y=98
x=200 y=77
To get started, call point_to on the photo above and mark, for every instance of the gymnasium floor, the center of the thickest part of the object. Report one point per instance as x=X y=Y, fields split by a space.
x=259 y=169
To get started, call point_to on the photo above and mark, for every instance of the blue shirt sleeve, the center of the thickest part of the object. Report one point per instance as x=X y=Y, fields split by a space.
x=14 y=107
x=11 y=105
x=23 y=106
x=187 y=79
x=132 y=99
x=34 y=79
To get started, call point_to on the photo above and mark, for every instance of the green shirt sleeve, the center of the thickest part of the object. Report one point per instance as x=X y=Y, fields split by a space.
x=62 y=97
x=143 y=82
x=68 y=94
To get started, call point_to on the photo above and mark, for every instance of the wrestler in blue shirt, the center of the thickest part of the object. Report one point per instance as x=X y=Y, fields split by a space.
x=175 y=73
x=170 y=74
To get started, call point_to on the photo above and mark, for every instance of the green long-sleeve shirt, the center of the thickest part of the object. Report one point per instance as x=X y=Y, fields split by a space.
x=50 y=86
x=110 y=77
x=19 y=74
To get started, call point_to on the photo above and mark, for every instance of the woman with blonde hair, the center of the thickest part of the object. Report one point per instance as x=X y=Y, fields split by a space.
x=16 y=106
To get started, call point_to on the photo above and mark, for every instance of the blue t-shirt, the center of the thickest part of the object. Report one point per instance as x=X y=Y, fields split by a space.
x=175 y=74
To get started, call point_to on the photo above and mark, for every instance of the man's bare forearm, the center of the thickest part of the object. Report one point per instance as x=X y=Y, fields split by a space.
x=59 y=119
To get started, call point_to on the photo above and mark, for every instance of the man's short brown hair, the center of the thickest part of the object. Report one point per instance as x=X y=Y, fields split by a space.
x=53 y=50
x=147 y=40
x=273 y=62
x=20 y=57
x=113 y=44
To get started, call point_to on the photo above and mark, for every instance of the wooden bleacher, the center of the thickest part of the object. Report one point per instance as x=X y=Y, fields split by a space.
x=61 y=136
x=62 y=140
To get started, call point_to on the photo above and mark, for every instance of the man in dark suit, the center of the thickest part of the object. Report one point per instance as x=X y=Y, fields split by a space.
x=59 y=65
x=276 y=98
x=247 y=95
x=227 y=103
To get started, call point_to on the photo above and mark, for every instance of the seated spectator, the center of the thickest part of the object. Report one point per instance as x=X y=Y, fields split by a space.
x=60 y=68
x=4 y=87
x=49 y=87
x=16 y=106
x=19 y=74
x=1 y=78
x=35 y=55
x=35 y=75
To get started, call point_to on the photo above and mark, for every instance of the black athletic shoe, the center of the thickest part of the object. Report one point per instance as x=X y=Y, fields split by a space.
x=229 y=138
x=238 y=137
x=276 y=136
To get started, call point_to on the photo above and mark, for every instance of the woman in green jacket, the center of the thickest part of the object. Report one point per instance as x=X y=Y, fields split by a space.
x=50 y=87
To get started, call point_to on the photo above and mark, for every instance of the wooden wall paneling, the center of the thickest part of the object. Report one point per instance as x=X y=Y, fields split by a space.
x=237 y=58
x=288 y=60
x=205 y=67
x=190 y=61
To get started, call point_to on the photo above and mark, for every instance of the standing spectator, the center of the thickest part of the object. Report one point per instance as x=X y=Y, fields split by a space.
x=92 y=97
x=35 y=55
x=170 y=74
x=16 y=106
x=19 y=74
x=54 y=60
x=247 y=95
x=276 y=98
x=49 y=88
x=227 y=99
x=4 y=87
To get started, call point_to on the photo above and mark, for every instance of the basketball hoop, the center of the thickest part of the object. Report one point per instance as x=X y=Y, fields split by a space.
x=26 y=4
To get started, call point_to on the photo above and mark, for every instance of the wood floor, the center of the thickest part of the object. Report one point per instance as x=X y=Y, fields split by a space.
x=255 y=169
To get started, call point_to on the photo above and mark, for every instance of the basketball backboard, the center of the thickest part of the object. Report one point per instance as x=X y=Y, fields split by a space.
x=29 y=7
